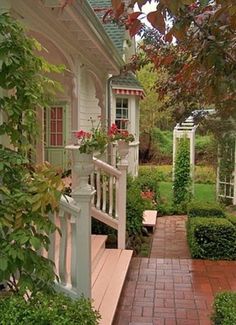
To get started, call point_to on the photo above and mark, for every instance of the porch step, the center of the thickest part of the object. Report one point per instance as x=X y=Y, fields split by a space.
x=97 y=248
x=107 y=281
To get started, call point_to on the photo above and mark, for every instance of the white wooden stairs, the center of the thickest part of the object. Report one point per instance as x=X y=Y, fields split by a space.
x=109 y=269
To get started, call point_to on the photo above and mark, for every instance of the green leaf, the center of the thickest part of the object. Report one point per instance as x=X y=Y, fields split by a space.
x=3 y=263
x=204 y=3
x=35 y=242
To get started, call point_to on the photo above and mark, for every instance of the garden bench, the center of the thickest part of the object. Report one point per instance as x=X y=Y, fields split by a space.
x=149 y=218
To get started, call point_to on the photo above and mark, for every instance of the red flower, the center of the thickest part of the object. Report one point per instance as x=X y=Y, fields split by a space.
x=125 y=133
x=82 y=134
x=113 y=129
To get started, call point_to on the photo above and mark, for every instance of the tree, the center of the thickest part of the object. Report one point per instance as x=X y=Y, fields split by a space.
x=152 y=109
x=28 y=193
x=195 y=42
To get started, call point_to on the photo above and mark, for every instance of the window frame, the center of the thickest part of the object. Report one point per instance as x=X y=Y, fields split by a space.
x=125 y=119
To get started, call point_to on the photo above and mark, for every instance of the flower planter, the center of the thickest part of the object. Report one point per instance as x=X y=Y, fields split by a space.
x=123 y=149
x=82 y=165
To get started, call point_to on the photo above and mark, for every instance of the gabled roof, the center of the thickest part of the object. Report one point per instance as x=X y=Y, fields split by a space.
x=115 y=32
x=128 y=79
x=125 y=83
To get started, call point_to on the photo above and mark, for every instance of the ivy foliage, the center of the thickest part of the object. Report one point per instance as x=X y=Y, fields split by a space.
x=227 y=156
x=28 y=193
x=182 y=179
x=23 y=77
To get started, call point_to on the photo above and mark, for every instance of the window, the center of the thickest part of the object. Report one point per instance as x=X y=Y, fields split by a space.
x=122 y=116
x=53 y=124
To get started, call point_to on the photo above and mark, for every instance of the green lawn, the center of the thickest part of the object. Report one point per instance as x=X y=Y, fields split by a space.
x=203 y=192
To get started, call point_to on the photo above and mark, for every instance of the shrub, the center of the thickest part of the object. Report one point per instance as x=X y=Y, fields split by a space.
x=225 y=308
x=204 y=175
x=200 y=209
x=148 y=181
x=211 y=238
x=135 y=206
x=232 y=219
x=161 y=173
x=44 y=309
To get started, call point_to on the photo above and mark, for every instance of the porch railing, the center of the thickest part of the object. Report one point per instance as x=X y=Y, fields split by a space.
x=71 y=252
x=109 y=202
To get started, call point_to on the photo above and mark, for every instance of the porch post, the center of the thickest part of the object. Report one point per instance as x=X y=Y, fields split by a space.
x=192 y=156
x=82 y=193
x=123 y=149
x=234 y=198
x=174 y=153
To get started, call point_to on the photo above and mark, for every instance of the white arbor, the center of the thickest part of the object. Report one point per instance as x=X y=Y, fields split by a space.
x=185 y=129
x=226 y=178
x=226 y=171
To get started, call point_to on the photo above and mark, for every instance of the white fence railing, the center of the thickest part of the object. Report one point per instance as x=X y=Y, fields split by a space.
x=109 y=202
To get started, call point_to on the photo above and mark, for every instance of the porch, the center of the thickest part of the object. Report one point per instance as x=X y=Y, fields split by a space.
x=83 y=263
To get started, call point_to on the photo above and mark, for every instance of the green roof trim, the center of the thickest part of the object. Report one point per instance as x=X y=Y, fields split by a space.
x=115 y=32
x=127 y=80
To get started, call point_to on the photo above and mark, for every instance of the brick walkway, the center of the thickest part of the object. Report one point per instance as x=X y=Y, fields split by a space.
x=169 y=291
x=169 y=239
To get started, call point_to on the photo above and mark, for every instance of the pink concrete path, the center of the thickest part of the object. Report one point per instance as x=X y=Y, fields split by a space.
x=169 y=290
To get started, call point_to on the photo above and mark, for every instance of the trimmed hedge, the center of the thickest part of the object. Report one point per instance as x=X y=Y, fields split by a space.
x=232 y=219
x=211 y=238
x=199 y=209
x=54 y=309
x=225 y=309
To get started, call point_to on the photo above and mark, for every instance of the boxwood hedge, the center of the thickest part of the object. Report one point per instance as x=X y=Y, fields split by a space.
x=211 y=238
x=225 y=308
x=232 y=219
x=200 y=209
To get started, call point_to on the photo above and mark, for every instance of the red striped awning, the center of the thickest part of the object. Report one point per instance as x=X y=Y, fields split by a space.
x=133 y=92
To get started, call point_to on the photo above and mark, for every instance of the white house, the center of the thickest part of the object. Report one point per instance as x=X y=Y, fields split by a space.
x=92 y=54
x=76 y=38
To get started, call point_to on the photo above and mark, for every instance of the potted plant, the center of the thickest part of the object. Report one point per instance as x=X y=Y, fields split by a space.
x=87 y=144
x=123 y=137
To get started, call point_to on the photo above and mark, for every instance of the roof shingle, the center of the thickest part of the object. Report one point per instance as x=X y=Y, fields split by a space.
x=115 y=32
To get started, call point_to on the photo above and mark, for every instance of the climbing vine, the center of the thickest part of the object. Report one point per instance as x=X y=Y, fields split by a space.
x=226 y=156
x=182 y=179
x=28 y=193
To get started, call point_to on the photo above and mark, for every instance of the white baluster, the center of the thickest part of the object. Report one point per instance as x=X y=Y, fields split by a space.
x=104 y=192
x=73 y=253
x=98 y=189
x=63 y=250
x=92 y=182
x=111 y=195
